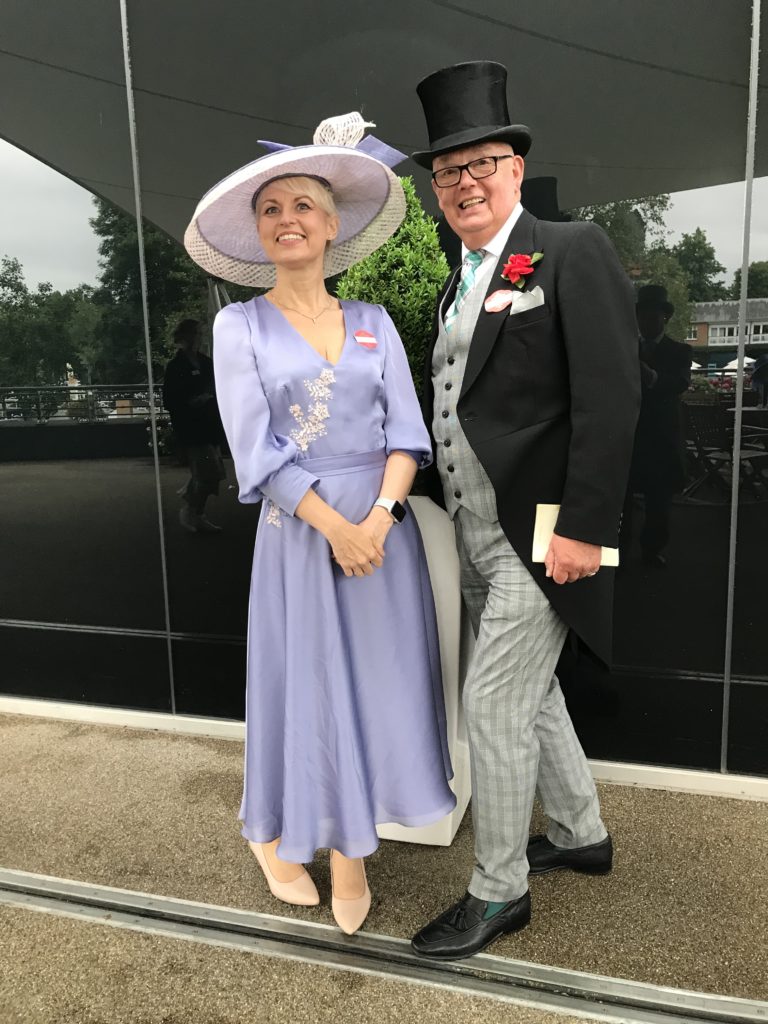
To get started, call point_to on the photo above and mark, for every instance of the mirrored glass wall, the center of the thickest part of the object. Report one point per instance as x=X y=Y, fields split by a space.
x=95 y=516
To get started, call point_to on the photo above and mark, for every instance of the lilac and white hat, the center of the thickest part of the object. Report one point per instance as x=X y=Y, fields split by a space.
x=222 y=236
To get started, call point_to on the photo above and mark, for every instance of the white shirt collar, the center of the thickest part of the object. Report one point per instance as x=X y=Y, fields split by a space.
x=496 y=245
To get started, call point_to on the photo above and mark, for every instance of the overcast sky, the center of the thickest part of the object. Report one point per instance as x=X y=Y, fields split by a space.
x=44 y=221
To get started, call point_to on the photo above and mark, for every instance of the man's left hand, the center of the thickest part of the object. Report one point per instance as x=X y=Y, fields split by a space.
x=570 y=560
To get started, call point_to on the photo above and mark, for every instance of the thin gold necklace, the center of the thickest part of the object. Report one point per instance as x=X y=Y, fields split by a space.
x=314 y=319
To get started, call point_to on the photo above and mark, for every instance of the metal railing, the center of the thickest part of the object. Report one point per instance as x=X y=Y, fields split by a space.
x=96 y=403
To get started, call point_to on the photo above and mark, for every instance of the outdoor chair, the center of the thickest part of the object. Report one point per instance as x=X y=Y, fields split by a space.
x=709 y=439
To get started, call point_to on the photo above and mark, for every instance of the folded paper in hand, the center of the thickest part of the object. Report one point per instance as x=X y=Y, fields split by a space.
x=544 y=527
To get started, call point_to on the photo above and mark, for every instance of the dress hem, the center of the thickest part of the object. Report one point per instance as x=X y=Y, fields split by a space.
x=296 y=855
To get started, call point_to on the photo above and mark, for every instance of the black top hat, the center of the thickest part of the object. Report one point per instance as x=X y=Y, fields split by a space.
x=654 y=296
x=465 y=104
x=539 y=197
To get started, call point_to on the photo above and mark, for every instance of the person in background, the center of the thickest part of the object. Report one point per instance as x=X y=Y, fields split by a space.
x=658 y=458
x=189 y=395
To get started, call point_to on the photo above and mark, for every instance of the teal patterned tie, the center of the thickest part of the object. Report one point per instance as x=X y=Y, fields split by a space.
x=472 y=261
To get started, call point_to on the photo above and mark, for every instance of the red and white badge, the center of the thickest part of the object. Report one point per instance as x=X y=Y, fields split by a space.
x=366 y=339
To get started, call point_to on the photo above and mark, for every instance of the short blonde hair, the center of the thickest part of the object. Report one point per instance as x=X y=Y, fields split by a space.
x=301 y=185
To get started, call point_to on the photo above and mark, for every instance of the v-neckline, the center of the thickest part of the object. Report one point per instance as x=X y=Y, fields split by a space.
x=309 y=344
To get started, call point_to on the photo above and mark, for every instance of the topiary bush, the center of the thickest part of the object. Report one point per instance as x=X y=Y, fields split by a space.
x=404 y=276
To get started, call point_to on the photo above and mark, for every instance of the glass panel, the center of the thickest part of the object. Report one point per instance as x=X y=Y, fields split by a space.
x=662 y=702
x=78 y=514
x=209 y=535
x=748 y=711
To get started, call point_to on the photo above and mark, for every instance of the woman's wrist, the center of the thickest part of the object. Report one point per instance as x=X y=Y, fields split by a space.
x=378 y=512
x=333 y=526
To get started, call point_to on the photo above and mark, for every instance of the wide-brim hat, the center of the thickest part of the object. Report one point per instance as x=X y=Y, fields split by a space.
x=222 y=236
x=465 y=104
x=654 y=296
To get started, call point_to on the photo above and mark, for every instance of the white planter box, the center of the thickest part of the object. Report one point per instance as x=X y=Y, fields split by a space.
x=456 y=644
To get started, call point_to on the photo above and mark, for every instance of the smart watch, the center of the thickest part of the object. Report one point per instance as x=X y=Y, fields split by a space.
x=395 y=509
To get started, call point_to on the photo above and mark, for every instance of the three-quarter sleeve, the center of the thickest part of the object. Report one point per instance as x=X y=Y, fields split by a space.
x=265 y=462
x=404 y=428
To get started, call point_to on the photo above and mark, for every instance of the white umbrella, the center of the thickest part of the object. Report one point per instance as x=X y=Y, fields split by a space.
x=734 y=363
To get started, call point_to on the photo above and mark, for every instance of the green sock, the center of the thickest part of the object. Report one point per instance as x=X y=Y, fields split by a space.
x=492 y=909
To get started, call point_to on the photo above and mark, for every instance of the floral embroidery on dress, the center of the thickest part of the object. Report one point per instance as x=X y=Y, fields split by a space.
x=312 y=425
x=274 y=514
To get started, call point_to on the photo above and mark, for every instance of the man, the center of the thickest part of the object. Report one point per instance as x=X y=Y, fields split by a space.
x=190 y=398
x=532 y=397
x=658 y=468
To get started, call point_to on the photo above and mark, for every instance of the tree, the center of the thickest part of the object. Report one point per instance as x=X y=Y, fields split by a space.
x=404 y=276
x=698 y=259
x=33 y=338
x=176 y=288
x=631 y=224
x=661 y=266
x=757 y=281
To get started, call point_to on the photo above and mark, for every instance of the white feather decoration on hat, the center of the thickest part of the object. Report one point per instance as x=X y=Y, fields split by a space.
x=343 y=130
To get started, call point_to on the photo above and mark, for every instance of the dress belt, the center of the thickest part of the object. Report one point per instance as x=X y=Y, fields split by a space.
x=334 y=464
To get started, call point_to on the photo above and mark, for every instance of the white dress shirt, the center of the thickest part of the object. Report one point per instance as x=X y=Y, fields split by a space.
x=494 y=249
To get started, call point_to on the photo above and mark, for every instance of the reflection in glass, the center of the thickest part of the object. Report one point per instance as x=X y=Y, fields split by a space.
x=664 y=695
x=82 y=573
x=748 y=704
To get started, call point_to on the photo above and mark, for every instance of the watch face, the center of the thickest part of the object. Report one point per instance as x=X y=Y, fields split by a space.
x=398 y=511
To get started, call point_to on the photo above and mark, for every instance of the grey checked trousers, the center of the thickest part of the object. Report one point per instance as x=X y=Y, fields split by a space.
x=521 y=738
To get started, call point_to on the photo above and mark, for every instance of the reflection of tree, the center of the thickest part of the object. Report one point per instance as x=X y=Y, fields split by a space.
x=661 y=266
x=757 y=281
x=176 y=289
x=697 y=258
x=33 y=346
x=100 y=330
x=689 y=270
x=631 y=224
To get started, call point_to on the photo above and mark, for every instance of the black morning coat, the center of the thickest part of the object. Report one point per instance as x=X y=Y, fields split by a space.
x=549 y=404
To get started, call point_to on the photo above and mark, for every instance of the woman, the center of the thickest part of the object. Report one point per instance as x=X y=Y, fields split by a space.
x=345 y=718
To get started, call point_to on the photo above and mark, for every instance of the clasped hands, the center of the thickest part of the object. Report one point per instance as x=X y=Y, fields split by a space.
x=570 y=560
x=359 y=548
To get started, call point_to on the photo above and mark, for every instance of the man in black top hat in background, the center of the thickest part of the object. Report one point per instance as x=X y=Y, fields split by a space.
x=658 y=467
x=531 y=392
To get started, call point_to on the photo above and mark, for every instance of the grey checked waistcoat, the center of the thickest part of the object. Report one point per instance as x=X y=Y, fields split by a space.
x=460 y=472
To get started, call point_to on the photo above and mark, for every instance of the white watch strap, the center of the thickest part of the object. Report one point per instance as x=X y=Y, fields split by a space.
x=386 y=503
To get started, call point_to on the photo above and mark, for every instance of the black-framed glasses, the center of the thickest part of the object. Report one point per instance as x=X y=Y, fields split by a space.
x=482 y=167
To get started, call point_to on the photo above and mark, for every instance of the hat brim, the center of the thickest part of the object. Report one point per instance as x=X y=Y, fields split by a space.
x=517 y=135
x=223 y=239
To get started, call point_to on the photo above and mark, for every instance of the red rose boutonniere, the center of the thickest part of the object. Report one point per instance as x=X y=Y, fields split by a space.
x=519 y=265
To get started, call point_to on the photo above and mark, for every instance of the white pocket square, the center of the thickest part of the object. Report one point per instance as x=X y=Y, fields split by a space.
x=527 y=300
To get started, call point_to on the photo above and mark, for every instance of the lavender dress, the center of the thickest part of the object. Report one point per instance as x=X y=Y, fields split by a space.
x=345 y=722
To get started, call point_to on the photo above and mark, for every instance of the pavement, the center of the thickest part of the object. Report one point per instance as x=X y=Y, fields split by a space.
x=685 y=905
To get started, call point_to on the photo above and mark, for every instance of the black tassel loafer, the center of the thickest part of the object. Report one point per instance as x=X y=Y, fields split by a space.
x=464 y=929
x=544 y=856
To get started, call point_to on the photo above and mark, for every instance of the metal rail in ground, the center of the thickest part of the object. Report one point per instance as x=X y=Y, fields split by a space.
x=535 y=985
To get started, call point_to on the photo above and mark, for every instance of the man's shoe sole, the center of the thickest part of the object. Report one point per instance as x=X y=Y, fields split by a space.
x=586 y=870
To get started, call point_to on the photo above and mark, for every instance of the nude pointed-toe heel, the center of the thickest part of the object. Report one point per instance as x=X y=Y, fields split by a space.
x=300 y=893
x=350 y=914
